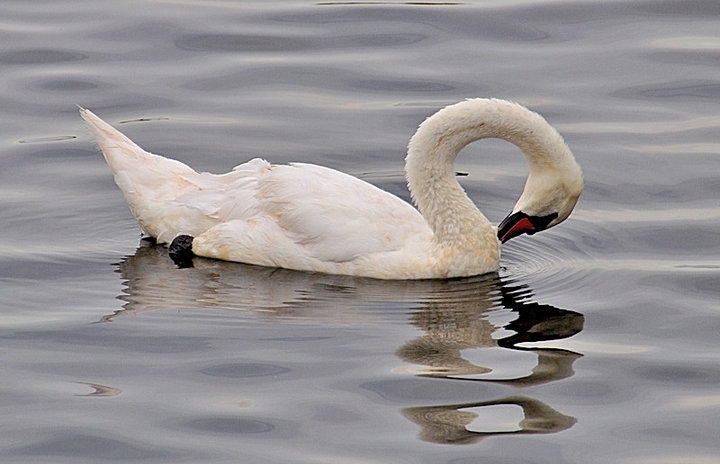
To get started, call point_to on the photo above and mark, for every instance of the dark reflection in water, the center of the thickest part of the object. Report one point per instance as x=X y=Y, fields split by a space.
x=40 y=56
x=455 y=317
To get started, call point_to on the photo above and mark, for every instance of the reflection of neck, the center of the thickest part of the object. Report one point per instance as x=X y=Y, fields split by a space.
x=459 y=323
x=449 y=424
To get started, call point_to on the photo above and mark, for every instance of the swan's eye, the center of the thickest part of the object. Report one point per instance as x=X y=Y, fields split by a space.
x=541 y=222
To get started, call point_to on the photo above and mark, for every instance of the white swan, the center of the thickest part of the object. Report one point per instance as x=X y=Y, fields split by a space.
x=311 y=218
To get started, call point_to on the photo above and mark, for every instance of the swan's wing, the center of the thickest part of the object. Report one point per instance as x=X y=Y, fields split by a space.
x=335 y=216
x=316 y=214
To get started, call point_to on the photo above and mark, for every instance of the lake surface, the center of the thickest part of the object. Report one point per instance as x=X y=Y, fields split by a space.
x=597 y=341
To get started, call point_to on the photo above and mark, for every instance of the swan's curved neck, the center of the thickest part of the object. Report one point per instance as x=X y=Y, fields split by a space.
x=432 y=151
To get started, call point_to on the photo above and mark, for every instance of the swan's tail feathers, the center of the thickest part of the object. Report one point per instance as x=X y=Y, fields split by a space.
x=122 y=154
x=149 y=182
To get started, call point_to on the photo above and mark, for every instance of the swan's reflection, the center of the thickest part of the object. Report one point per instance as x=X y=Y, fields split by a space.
x=462 y=325
x=153 y=282
x=455 y=317
x=451 y=424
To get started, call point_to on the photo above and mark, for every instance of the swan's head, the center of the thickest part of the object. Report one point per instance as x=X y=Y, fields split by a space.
x=548 y=199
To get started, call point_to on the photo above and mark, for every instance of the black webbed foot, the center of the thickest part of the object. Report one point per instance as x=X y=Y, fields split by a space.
x=180 y=251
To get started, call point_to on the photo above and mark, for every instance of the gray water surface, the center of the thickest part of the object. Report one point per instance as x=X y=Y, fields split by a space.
x=596 y=342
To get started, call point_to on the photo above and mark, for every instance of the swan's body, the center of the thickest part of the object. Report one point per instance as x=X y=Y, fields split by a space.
x=312 y=218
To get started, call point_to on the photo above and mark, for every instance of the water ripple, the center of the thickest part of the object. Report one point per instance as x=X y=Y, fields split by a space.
x=89 y=445
x=239 y=43
x=40 y=56
x=244 y=370
x=231 y=425
x=684 y=89
x=560 y=262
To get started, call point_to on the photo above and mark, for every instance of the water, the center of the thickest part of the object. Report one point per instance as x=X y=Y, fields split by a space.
x=596 y=342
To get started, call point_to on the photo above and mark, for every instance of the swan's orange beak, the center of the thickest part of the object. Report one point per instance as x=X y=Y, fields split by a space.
x=520 y=223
